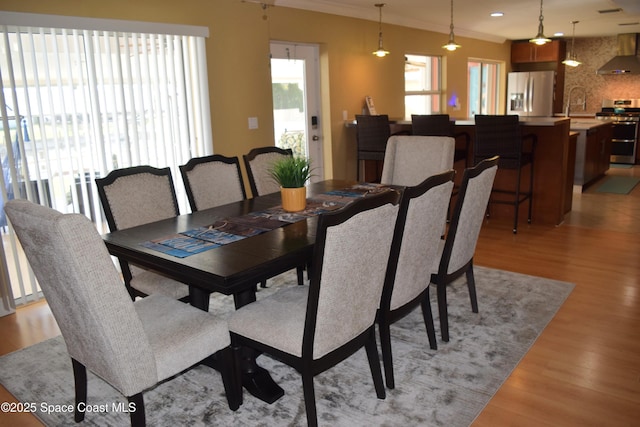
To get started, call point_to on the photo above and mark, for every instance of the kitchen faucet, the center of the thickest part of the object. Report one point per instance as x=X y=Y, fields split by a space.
x=583 y=102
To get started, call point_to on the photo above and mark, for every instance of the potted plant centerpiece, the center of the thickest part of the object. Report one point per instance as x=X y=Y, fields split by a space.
x=292 y=173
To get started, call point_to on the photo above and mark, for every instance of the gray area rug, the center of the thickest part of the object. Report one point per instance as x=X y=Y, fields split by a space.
x=444 y=387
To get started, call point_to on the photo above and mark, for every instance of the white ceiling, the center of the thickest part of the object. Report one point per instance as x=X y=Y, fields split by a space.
x=471 y=17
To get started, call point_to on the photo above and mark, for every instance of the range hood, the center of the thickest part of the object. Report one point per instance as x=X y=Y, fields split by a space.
x=626 y=61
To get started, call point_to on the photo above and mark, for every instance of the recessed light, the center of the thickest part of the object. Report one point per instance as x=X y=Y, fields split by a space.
x=497 y=14
x=558 y=34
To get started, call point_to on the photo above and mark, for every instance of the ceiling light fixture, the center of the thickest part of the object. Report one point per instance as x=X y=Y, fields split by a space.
x=572 y=60
x=380 y=52
x=540 y=39
x=452 y=45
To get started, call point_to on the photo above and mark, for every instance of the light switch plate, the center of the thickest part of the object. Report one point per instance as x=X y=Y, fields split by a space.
x=253 y=123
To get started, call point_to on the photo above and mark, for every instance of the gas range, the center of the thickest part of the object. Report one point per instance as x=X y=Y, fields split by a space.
x=625 y=115
x=620 y=110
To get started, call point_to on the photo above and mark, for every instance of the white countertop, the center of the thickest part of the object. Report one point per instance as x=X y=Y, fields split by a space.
x=527 y=121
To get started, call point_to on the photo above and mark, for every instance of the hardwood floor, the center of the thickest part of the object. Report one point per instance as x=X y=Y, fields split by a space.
x=585 y=367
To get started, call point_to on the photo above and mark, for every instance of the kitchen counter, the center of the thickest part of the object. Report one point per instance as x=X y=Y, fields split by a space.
x=579 y=124
x=553 y=170
x=526 y=121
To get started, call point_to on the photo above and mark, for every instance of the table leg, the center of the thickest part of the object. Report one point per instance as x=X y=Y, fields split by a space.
x=255 y=378
x=199 y=298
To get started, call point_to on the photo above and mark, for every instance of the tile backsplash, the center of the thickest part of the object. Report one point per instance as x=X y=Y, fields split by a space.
x=594 y=53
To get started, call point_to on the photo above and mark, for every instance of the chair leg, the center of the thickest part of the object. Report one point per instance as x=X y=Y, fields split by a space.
x=441 y=291
x=471 y=284
x=231 y=377
x=263 y=284
x=374 y=363
x=137 y=415
x=80 y=380
x=309 y=397
x=387 y=356
x=428 y=321
x=516 y=207
x=300 y=271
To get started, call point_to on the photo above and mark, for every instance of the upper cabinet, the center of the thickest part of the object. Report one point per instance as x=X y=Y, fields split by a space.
x=525 y=52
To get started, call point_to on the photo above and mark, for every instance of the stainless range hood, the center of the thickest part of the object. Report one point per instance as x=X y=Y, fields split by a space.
x=626 y=61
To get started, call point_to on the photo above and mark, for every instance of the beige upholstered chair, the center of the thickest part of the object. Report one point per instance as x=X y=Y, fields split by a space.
x=314 y=328
x=409 y=160
x=257 y=163
x=132 y=346
x=460 y=244
x=135 y=196
x=415 y=248
x=212 y=181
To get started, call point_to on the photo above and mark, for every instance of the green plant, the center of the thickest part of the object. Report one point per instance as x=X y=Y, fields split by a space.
x=291 y=172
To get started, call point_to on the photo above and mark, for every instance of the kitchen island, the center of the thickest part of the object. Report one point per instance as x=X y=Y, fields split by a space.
x=593 y=149
x=554 y=164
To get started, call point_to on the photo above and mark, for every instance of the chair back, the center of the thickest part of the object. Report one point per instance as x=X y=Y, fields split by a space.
x=372 y=132
x=498 y=136
x=468 y=215
x=257 y=163
x=418 y=231
x=349 y=263
x=137 y=195
x=409 y=160
x=431 y=125
x=212 y=181
x=85 y=293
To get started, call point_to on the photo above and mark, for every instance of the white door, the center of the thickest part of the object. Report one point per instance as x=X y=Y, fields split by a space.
x=295 y=79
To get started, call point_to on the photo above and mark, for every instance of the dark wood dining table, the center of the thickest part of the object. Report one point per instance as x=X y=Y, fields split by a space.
x=232 y=269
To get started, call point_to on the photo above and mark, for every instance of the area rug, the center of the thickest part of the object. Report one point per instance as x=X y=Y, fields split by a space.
x=444 y=387
x=618 y=184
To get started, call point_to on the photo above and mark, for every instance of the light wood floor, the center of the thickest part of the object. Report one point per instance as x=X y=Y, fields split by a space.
x=584 y=370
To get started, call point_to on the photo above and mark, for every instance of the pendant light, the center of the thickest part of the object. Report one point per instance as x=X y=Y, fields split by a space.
x=572 y=60
x=381 y=53
x=452 y=45
x=540 y=39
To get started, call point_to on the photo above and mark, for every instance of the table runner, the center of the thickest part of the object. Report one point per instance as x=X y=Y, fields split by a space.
x=229 y=230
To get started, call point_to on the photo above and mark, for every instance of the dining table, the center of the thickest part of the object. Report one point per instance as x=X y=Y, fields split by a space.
x=231 y=269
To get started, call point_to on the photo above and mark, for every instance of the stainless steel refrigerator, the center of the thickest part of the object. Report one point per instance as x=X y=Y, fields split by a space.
x=530 y=93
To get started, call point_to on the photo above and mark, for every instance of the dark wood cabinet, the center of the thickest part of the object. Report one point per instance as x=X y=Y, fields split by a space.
x=595 y=144
x=526 y=52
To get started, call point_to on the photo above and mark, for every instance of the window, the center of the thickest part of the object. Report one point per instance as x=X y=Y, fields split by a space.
x=422 y=85
x=78 y=103
x=484 y=87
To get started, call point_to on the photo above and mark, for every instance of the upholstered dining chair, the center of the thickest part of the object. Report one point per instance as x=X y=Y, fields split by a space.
x=257 y=162
x=135 y=196
x=415 y=248
x=313 y=328
x=502 y=136
x=459 y=246
x=441 y=125
x=130 y=345
x=409 y=159
x=212 y=181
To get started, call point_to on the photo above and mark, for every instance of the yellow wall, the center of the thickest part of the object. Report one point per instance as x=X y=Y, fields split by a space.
x=238 y=63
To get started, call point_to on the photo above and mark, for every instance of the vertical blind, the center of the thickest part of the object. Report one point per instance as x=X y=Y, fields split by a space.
x=78 y=103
